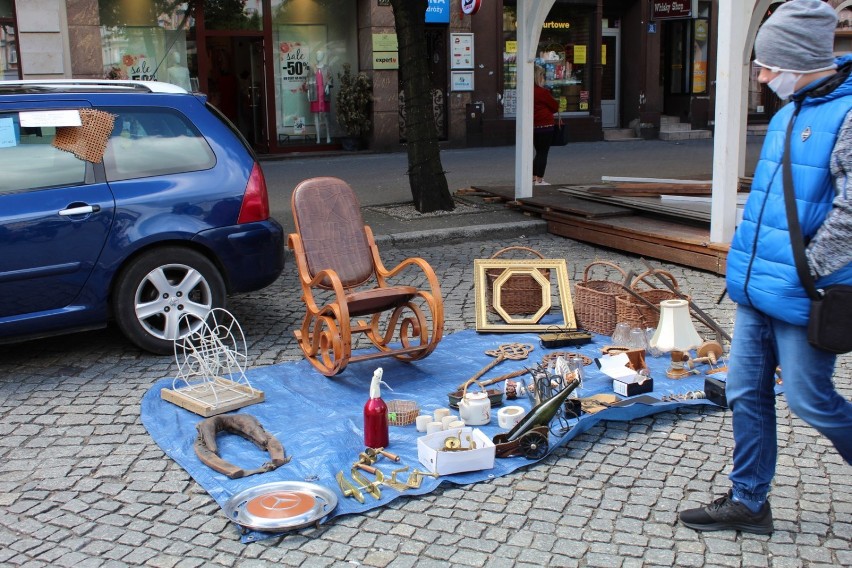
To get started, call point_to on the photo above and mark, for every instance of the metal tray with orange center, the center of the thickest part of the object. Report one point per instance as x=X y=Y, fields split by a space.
x=281 y=506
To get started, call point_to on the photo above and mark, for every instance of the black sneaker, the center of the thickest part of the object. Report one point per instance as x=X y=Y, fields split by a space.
x=726 y=514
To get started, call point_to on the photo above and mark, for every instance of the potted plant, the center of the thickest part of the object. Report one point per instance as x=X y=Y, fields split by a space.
x=353 y=106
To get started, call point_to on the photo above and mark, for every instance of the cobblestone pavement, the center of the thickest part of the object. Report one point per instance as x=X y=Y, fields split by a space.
x=82 y=483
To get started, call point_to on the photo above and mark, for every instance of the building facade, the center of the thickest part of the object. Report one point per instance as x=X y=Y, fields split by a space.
x=272 y=66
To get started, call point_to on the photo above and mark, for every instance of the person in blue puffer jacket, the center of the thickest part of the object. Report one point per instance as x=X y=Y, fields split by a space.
x=794 y=49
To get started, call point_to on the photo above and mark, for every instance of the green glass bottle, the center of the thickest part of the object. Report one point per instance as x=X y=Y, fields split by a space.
x=539 y=415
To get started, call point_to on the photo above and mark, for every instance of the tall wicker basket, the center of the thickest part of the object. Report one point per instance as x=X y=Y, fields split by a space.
x=521 y=293
x=636 y=313
x=594 y=300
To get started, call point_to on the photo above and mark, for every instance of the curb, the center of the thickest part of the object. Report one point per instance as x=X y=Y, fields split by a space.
x=439 y=237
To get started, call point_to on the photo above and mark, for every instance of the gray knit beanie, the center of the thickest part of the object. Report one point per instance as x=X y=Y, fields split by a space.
x=798 y=36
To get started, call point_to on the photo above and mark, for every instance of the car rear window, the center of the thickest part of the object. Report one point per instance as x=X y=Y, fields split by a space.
x=154 y=141
x=29 y=161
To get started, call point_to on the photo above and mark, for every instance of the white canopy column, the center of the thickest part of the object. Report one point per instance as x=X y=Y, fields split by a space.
x=738 y=24
x=531 y=16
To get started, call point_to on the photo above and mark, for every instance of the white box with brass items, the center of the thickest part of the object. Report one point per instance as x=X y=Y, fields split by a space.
x=455 y=451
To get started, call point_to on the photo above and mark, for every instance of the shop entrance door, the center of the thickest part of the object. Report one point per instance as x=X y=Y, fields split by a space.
x=237 y=85
x=677 y=68
x=611 y=77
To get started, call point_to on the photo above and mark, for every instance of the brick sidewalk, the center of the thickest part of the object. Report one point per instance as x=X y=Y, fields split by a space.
x=82 y=484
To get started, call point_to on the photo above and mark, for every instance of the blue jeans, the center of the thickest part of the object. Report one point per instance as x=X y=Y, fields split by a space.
x=760 y=343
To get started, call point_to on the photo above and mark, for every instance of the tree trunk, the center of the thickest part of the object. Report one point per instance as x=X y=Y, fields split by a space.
x=425 y=172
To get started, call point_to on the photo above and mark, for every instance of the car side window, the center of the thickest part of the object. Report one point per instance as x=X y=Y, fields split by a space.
x=154 y=141
x=28 y=160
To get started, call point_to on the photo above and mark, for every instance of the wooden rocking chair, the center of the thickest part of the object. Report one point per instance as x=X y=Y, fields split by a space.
x=342 y=277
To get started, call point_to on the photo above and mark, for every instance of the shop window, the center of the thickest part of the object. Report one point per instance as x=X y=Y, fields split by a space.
x=140 y=42
x=700 y=48
x=565 y=52
x=761 y=99
x=233 y=15
x=9 y=68
x=311 y=43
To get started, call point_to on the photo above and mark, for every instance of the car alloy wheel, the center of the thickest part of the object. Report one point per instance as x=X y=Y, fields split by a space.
x=165 y=295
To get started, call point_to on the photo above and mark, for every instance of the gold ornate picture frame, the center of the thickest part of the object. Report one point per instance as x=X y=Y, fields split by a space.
x=542 y=271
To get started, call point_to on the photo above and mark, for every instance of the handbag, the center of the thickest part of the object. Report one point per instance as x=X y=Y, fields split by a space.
x=560 y=134
x=831 y=307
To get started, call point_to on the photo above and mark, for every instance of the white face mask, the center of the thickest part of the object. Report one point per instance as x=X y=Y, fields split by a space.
x=784 y=84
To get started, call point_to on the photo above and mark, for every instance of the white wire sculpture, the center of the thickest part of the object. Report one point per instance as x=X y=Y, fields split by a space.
x=211 y=363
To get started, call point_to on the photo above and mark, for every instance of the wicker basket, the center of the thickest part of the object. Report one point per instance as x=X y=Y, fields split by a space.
x=594 y=300
x=521 y=293
x=636 y=313
x=402 y=412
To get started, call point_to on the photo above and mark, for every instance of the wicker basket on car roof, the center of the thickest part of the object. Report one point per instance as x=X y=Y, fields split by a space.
x=521 y=293
x=594 y=300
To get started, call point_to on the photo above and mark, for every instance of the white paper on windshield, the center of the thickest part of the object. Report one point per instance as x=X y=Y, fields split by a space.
x=7 y=133
x=615 y=366
x=50 y=118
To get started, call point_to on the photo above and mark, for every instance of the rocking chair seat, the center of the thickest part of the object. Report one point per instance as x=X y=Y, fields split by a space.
x=364 y=302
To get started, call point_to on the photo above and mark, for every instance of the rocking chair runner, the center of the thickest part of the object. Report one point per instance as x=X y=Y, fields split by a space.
x=337 y=259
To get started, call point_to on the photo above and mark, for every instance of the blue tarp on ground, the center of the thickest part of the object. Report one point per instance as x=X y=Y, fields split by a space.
x=319 y=420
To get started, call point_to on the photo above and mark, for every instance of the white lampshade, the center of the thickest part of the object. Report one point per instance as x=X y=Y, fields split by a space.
x=675 y=331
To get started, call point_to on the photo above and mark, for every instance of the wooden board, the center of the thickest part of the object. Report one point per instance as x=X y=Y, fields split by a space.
x=583 y=207
x=623 y=179
x=203 y=401
x=695 y=212
x=654 y=238
x=650 y=190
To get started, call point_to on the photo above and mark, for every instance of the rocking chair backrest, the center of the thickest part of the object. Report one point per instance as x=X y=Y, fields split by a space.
x=328 y=219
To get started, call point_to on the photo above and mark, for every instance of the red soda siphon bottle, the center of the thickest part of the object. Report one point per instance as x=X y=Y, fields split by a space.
x=376 y=415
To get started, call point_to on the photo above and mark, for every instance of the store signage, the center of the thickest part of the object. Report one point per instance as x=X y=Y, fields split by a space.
x=385 y=60
x=438 y=12
x=461 y=80
x=461 y=51
x=385 y=42
x=671 y=9
x=470 y=7
x=556 y=25
x=294 y=57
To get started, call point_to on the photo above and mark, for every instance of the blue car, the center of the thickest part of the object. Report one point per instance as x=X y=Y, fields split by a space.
x=133 y=202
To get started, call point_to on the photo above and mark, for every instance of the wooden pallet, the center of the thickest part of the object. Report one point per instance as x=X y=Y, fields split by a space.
x=651 y=237
x=675 y=231
x=575 y=206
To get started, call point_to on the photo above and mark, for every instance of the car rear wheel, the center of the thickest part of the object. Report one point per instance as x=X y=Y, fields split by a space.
x=158 y=289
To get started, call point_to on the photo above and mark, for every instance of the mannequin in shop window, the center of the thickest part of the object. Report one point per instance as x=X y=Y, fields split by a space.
x=178 y=73
x=319 y=88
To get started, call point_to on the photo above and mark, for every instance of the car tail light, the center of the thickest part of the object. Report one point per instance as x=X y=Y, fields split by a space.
x=255 y=205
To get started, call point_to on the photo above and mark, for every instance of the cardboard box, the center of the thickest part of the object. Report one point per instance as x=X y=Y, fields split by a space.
x=630 y=386
x=445 y=463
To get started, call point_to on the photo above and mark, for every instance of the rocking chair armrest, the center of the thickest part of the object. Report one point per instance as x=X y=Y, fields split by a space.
x=338 y=305
x=418 y=262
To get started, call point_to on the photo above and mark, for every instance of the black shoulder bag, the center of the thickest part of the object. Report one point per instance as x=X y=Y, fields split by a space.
x=831 y=307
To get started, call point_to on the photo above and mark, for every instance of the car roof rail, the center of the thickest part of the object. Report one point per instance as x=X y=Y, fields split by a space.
x=89 y=85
